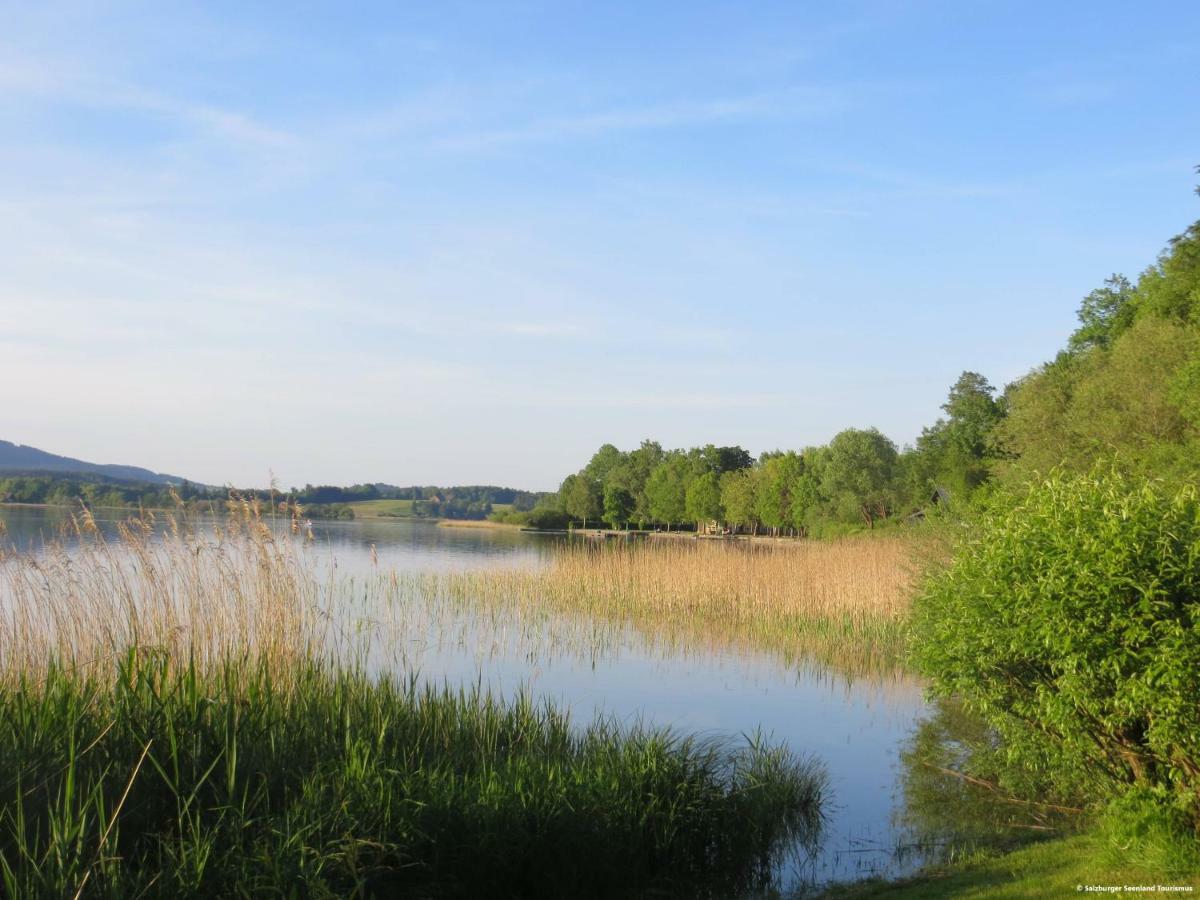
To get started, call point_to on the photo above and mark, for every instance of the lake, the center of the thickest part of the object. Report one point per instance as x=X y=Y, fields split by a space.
x=855 y=725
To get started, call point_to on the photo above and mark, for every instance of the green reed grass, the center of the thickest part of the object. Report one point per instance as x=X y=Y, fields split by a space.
x=168 y=781
x=178 y=719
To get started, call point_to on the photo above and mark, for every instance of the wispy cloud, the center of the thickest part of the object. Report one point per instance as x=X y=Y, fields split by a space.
x=49 y=80
x=797 y=101
x=539 y=329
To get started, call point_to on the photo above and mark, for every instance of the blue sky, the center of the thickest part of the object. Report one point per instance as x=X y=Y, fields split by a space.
x=454 y=242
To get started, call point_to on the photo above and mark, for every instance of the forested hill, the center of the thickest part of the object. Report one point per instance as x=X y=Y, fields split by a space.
x=18 y=459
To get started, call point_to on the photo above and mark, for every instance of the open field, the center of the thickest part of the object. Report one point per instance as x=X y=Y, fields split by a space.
x=839 y=603
x=180 y=716
x=366 y=509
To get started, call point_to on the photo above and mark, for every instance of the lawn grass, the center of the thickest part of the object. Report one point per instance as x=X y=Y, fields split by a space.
x=1053 y=868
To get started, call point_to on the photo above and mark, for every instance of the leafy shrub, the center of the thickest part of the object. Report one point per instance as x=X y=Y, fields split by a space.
x=550 y=519
x=1070 y=620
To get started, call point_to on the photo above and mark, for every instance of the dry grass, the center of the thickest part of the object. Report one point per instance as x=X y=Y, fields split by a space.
x=840 y=603
x=246 y=587
x=234 y=590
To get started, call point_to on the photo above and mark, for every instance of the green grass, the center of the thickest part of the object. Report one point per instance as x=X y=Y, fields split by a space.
x=365 y=509
x=315 y=781
x=1052 y=868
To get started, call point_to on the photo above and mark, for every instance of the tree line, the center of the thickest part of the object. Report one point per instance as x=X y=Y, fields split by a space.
x=858 y=479
x=317 y=502
x=462 y=501
x=1125 y=388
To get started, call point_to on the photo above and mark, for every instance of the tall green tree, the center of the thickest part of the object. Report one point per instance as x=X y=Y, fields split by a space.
x=666 y=489
x=618 y=505
x=725 y=459
x=859 y=473
x=1104 y=313
x=581 y=498
x=703 y=499
x=778 y=474
x=737 y=498
x=641 y=462
x=957 y=451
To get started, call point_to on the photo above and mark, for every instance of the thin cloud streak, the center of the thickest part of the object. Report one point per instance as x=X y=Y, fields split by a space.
x=803 y=102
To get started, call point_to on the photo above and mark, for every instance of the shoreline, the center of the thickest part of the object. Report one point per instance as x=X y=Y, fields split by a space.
x=477 y=523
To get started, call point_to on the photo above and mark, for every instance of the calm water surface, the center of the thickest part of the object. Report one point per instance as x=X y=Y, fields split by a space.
x=856 y=727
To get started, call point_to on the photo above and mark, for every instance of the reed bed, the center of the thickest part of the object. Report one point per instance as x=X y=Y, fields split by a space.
x=241 y=586
x=183 y=713
x=840 y=604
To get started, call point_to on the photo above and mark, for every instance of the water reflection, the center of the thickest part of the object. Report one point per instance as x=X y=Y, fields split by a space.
x=959 y=795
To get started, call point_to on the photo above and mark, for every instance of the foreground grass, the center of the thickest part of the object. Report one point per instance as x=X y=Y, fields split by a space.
x=840 y=603
x=1053 y=868
x=169 y=782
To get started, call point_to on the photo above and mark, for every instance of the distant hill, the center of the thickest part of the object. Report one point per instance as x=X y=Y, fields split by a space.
x=16 y=459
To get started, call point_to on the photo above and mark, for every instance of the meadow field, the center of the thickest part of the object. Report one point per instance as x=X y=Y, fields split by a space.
x=392 y=509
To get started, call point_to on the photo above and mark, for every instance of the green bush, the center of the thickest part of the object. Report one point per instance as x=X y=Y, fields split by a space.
x=549 y=519
x=1070 y=620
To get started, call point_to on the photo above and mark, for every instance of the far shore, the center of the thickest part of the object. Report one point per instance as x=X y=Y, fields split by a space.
x=476 y=523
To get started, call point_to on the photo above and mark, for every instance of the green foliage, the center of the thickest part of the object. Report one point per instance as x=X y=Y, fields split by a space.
x=1070 y=620
x=773 y=489
x=1104 y=314
x=962 y=795
x=703 y=499
x=1126 y=385
x=162 y=782
x=339 y=511
x=666 y=489
x=618 y=505
x=1171 y=288
x=738 y=498
x=581 y=497
x=859 y=474
x=1131 y=399
x=548 y=518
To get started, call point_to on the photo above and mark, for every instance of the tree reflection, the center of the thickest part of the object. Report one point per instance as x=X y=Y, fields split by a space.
x=960 y=795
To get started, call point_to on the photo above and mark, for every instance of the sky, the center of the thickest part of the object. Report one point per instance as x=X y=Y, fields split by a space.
x=469 y=243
